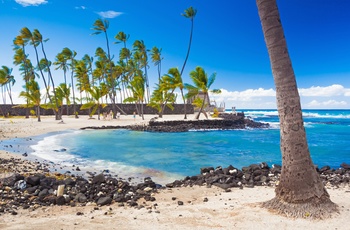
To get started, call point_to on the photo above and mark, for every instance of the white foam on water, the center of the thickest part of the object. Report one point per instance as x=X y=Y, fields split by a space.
x=51 y=149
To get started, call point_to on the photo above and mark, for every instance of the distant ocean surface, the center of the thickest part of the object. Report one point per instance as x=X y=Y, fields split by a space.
x=169 y=156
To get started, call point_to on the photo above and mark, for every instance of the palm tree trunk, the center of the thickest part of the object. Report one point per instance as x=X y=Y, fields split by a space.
x=202 y=106
x=185 y=106
x=300 y=189
x=38 y=113
x=57 y=115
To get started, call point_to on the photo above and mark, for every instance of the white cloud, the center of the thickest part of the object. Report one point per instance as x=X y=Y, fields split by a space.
x=333 y=96
x=328 y=91
x=31 y=2
x=109 y=14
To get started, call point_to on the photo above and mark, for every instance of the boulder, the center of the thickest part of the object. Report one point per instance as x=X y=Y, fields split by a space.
x=33 y=180
x=104 y=201
x=98 y=179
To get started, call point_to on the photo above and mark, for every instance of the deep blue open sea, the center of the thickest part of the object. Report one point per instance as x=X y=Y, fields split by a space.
x=169 y=156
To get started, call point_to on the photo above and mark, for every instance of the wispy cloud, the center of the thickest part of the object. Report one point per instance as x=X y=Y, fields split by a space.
x=80 y=7
x=31 y=2
x=109 y=14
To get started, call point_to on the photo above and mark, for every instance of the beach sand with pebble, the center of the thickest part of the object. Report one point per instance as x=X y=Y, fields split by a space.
x=201 y=207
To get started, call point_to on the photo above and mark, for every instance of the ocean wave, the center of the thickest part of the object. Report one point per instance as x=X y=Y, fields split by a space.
x=336 y=114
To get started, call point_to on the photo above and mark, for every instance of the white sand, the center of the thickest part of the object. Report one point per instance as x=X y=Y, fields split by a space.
x=237 y=209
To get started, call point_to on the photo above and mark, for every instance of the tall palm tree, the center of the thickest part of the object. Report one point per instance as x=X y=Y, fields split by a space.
x=82 y=76
x=102 y=26
x=33 y=95
x=189 y=13
x=70 y=55
x=124 y=54
x=202 y=84
x=300 y=192
x=20 y=58
x=142 y=58
x=39 y=39
x=62 y=63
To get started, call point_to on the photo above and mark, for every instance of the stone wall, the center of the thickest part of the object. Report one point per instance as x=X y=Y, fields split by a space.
x=127 y=108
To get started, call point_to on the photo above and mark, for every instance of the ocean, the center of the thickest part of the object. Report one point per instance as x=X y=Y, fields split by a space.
x=169 y=156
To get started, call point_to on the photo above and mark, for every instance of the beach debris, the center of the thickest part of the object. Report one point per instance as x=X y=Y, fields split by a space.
x=60 y=190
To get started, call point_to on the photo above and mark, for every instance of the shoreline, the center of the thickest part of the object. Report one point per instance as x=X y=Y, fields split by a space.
x=202 y=207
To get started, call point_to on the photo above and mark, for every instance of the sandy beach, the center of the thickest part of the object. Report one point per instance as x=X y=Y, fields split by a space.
x=202 y=208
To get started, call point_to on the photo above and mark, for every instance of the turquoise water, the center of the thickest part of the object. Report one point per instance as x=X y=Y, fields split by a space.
x=169 y=156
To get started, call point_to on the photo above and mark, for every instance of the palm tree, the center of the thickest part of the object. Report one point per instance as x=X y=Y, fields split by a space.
x=63 y=93
x=141 y=57
x=189 y=13
x=300 y=192
x=39 y=39
x=201 y=85
x=33 y=95
x=157 y=59
x=137 y=86
x=61 y=63
x=20 y=58
x=10 y=81
x=28 y=36
x=162 y=96
x=173 y=80
x=83 y=81
x=122 y=37
x=96 y=92
x=102 y=26
x=70 y=55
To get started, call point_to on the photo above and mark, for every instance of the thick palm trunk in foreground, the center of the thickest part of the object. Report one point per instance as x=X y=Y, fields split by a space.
x=300 y=192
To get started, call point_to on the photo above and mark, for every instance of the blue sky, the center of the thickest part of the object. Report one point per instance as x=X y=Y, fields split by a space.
x=227 y=39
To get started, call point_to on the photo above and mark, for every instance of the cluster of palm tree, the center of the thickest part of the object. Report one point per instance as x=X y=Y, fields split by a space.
x=102 y=78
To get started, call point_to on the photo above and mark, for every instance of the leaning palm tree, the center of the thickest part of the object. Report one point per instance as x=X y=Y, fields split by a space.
x=34 y=40
x=201 y=85
x=122 y=37
x=157 y=59
x=300 y=192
